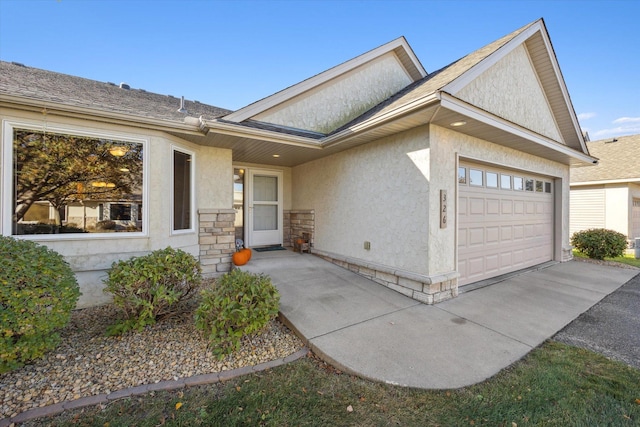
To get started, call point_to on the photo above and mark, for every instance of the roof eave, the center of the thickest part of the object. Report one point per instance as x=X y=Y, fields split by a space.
x=191 y=124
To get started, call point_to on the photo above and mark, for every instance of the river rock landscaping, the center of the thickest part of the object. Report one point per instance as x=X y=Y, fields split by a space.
x=87 y=362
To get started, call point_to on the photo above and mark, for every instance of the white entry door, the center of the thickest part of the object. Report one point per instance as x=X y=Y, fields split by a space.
x=264 y=213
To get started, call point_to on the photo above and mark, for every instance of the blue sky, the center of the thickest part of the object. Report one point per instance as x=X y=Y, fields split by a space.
x=232 y=53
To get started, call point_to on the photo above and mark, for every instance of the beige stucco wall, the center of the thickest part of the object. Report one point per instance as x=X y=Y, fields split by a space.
x=325 y=108
x=91 y=257
x=377 y=192
x=510 y=89
x=446 y=146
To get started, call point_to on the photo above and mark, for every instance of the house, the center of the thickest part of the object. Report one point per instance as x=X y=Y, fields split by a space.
x=608 y=195
x=422 y=181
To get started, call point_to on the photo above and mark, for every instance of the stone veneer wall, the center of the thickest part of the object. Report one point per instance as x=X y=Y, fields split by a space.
x=217 y=240
x=426 y=289
x=300 y=221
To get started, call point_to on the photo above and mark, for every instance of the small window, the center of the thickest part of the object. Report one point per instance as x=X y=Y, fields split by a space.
x=462 y=175
x=475 y=177
x=539 y=185
x=528 y=184
x=492 y=180
x=119 y=212
x=505 y=182
x=181 y=190
x=517 y=183
x=547 y=187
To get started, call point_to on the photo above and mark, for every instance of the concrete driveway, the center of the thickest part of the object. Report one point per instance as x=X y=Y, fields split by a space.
x=611 y=327
x=374 y=332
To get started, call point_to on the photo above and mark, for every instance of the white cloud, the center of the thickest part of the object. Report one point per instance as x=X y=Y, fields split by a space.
x=586 y=116
x=616 y=131
x=627 y=120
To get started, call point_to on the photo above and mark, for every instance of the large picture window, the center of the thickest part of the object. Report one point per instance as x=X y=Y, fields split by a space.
x=182 y=171
x=66 y=183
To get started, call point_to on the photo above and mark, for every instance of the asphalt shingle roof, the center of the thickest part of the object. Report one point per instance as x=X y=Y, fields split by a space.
x=619 y=160
x=34 y=83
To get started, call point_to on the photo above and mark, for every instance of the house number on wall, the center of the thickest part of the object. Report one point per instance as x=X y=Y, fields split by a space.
x=443 y=208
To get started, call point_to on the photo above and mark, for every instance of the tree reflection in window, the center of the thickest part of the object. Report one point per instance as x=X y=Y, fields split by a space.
x=78 y=176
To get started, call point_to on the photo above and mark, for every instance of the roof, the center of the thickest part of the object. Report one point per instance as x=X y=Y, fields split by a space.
x=47 y=86
x=619 y=161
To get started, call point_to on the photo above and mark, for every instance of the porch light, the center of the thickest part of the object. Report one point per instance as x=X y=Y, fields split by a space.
x=459 y=123
x=276 y=155
x=123 y=170
x=98 y=184
x=118 y=151
x=110 y=185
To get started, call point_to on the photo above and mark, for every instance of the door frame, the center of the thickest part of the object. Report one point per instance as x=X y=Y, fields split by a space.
x=250 y=238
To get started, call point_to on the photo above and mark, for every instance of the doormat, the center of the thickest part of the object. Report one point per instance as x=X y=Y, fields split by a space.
x=270 y=248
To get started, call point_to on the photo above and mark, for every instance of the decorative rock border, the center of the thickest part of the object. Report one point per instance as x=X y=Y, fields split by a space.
x=212 y=378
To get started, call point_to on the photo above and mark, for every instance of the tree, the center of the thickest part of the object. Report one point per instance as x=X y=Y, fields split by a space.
x=60 y=169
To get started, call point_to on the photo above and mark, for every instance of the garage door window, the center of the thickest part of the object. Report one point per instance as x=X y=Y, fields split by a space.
x=547 y=187
x=492 y=180
x=518 y=183
x=462 y=175
x=528 y=184
x=505 y=182
x=475 y=177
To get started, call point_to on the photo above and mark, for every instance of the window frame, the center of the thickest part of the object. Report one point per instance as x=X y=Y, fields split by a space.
x=192 y=188
x=7 y=185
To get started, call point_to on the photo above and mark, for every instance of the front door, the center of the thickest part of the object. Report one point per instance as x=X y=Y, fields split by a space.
x=264 y=216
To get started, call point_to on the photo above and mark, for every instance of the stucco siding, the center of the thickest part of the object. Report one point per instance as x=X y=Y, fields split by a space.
x=510 y=89
x=91 y=257
x=376 y=193
x=337 y=102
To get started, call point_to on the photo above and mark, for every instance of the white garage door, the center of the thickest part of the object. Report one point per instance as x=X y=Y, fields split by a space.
x=505 y=221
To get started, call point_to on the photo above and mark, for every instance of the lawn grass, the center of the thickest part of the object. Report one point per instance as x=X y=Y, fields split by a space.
x=555 y=385
x=628 y=259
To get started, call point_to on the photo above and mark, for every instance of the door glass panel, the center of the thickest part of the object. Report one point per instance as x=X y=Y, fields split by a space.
x=238 y=201
x=265 y=188
x=265 y=217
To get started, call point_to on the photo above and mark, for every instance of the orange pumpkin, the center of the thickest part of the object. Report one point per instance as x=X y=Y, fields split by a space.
x=248 y=252
x=240 y=258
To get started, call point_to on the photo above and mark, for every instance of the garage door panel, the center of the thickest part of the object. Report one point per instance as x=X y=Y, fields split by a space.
x=502 y=230
x=493 y=207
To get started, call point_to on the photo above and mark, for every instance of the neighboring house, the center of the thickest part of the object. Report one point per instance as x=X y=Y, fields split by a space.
x=423 y=182
x=608 y=195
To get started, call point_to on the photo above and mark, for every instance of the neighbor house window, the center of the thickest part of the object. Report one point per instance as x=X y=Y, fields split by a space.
x=62 y=181
x=539 y=185
x=182 y=198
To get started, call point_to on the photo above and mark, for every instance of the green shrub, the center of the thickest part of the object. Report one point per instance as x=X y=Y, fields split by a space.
x=599 y=243
x=149 y=287
x=238 y=304
x=38 y=290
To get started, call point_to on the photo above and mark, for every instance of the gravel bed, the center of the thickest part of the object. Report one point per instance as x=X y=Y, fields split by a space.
x=88 y=363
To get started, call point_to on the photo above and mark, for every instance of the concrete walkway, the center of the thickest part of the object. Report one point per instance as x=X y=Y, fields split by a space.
x=374 y=332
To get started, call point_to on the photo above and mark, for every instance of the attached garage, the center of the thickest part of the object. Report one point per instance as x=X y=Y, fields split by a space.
x=505 y=221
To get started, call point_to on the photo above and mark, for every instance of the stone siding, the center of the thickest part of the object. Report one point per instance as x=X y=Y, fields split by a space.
x=300 y=221
x=217 y=240
x=426 y=289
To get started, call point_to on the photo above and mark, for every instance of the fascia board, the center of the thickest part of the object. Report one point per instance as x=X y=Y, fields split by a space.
x=454 y=104
x=319 y=79
x=605 y=181
x=37 y=105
